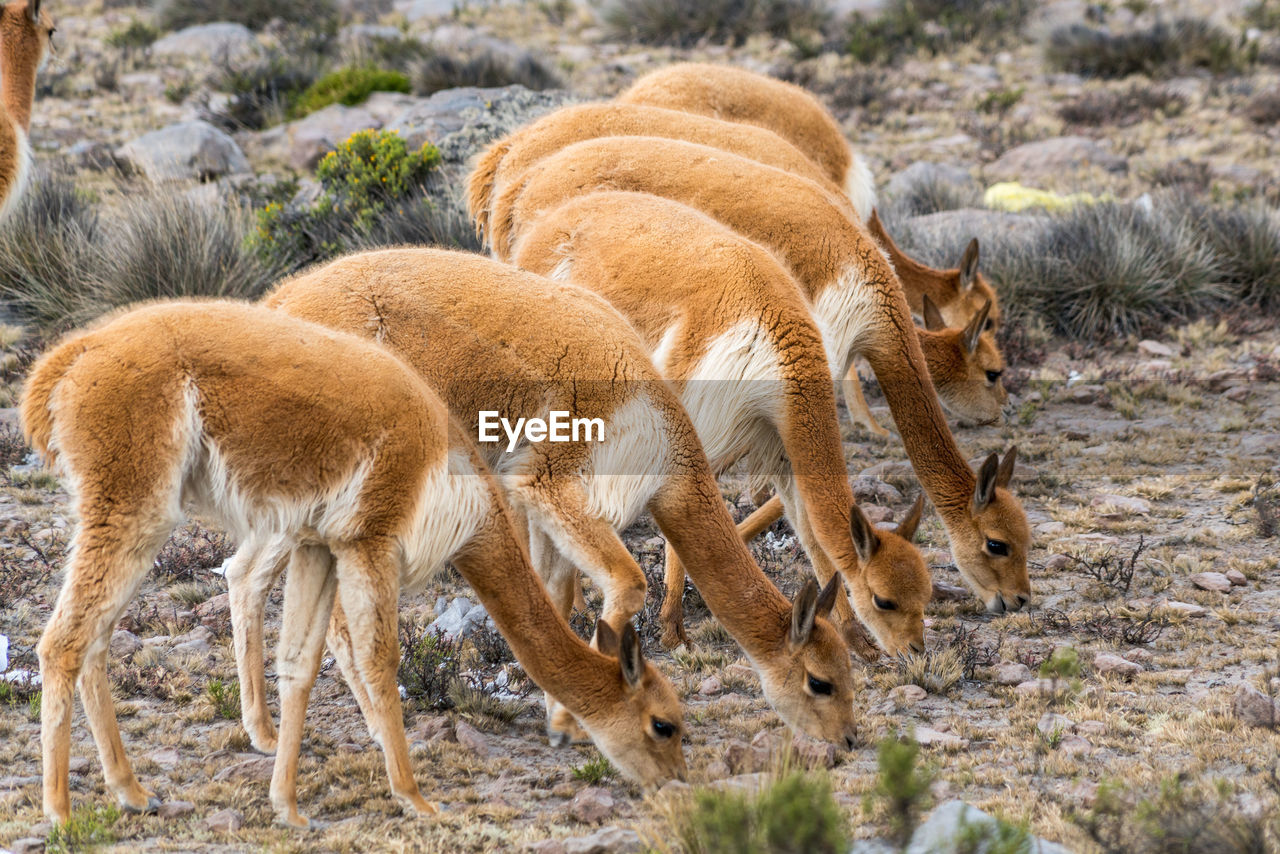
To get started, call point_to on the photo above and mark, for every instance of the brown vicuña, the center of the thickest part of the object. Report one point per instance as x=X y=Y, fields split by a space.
x=510 y=156
x=490 y=337
x=855 y=298
x=736 y=94
x=727 y=326
x=25 y=33
x=964 y=364
x=285 y=431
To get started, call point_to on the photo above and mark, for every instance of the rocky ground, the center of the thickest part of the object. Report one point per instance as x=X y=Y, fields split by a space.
x=1148 y=469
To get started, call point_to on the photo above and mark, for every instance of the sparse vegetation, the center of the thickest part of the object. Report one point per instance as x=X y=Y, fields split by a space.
x=255 y=14
x=1160 y=50
x=225 y=698
x=347 y=86
x=902 y=787
x=88 y=827
x=1122 y=107
x=594 y=771
x=483 y=67
x=686 y=22
x=794 y=813
x=1111 y=569
x=906 y=26
x=430 y=664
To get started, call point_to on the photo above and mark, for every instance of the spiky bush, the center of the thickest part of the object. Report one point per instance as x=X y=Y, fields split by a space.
x=1162 y=49
x=686 y=22
x=903 y=787
x=796 y=813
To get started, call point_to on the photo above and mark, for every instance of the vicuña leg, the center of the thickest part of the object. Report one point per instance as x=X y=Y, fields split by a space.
x=672 y=613
x=859 y=411
x=560 y=577
x=251 y=573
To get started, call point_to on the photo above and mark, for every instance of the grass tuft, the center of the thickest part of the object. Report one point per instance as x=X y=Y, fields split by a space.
x=594 y=771
x=906 y=26
x=88 y=827
x=482 y=67
x=902 y=787
x=794 y=813
x=225 y=698
x=688 y=22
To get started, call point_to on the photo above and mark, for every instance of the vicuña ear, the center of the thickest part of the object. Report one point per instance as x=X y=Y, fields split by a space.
x=969 y=265
x=630 y=657
x=985 y=489
x=803 y=612
x=907 y=527
x=876 y=227
x=977 y=324
x=827 y=598
x=606 y=638
x=932 y=317
x=865 y=539
x=33 y=11
x=1005 y=474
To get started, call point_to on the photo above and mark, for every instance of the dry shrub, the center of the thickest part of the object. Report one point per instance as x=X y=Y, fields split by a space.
x=687 y=22
x=1162 y=49
x=1121 y=107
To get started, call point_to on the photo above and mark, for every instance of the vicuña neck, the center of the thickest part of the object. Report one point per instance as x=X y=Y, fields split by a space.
x=17 y=87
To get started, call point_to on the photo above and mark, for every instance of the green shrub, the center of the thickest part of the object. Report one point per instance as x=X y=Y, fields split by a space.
x=87 y=827
x=902 y=787
x=255 y=14
x=262 y=90
x=594 y=771
x=225 y=698
x=429 y=665
x=686 y=22
x=796 y=813
x=1163 y=49
x=905 y=26
x=139 y=35
x=348 y=86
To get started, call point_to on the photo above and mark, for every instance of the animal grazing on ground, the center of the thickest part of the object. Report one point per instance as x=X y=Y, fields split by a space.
x=854 y=296
x=488 y=336
x=728 y=327
x=331 y=449
x=26 y=32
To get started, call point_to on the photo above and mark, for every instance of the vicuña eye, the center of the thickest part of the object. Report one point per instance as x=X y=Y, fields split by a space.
x=817 y=686
x=998 y=548
x=884 y=604
x=994 y=376
x=662 y=729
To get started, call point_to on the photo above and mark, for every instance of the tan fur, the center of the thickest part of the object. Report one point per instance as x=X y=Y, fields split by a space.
x=490 y=337
x=686 y=283
x=507 y=158
x=25 y=31
x=854 y=295
x=284 y=430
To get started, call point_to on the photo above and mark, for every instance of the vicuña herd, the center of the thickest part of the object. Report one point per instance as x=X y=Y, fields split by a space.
x=691 y=268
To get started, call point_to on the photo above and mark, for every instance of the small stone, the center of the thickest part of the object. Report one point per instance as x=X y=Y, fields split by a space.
x=1050 y=723
x=1255 y=708
x=876 y=514
x=1186 y=609
x=1056 y=563
x=215 y=613
x=259 y=768
x=1092 y=728
x=675 y=789
x=78 y=764
x=176 y=809
x=545 y=846
x=1214 y=581
x=165 y=757
x=1075 y=745
x=1106 y=662
x=606 y=840
x=472 y=739
x=1155 y=348
x=27 y=845
x=710 y=687
x=743 y=758
x=433 y=729
x=927 y=737
x=225 y=821
x=592 y=805
x=1128 y=504
x=717 y=770
x=813 y=752
x=908 y=695
x=1012 y=673
x=1041 y=686
x=124 y=643
x=1139 y=655
x=198 y=640
x=1236 y=577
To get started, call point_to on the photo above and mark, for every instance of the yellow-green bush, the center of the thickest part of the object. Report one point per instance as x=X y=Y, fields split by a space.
x=348 y=86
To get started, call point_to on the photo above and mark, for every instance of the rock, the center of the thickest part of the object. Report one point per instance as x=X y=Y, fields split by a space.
x=716 y=769
x=1050 y=723
x=218 y=42
x=215 y=613
x=1091 y=728
x=908 y=695
x=437 y=728
x=922 y=172
x=956 y=819
x=258 y=768
x=198 y=640
x=743 y=758
x=1106 y=662
x=1054 y=158
x=606 y=840
x=421 y=10
x=461 y=121
x=814 y=753
x=871 y=489
x=1129 y=505
x=947 y=592
x=951 y=231
x=592 y=805
x=876 y=514
x=472 y=739
x=710 y=687
x=1011 y=673
x=545 y=846
x=460 y=619
x=313 y=137
x=1155 y=348
x=1140 y=655
x=927 y=737
x=93 y=156
x=176 y=809
x=187 y=150
x=1056 y=563
x=1236 y=577
x=27 y=845
x=1075 y=745
x=78 y=764
x=123 y=644
x=1041 y=686
x=1214 y=581
x=225 y=821
x=165 y=757
x=1255 y=708
x=1186 y=609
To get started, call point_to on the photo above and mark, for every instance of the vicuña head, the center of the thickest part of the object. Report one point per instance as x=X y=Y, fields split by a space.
x=891 y=592
x=993 y=556
x=25 y=33
x=965 y=365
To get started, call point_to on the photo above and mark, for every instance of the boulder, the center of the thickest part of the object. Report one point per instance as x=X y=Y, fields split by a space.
x=258 y=768
x=218 y=42
x=175 y=809
x=606 y=840
x=1126 y=504
x=194 y=150
x=1254 y=708
x=1012 y=673
x=311 y=138
x=472 y=739
x=956 y=820
x=1053 y=158
x=592 y=805
x=1213 y=581
x=1106 y=662
x=123 y=644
